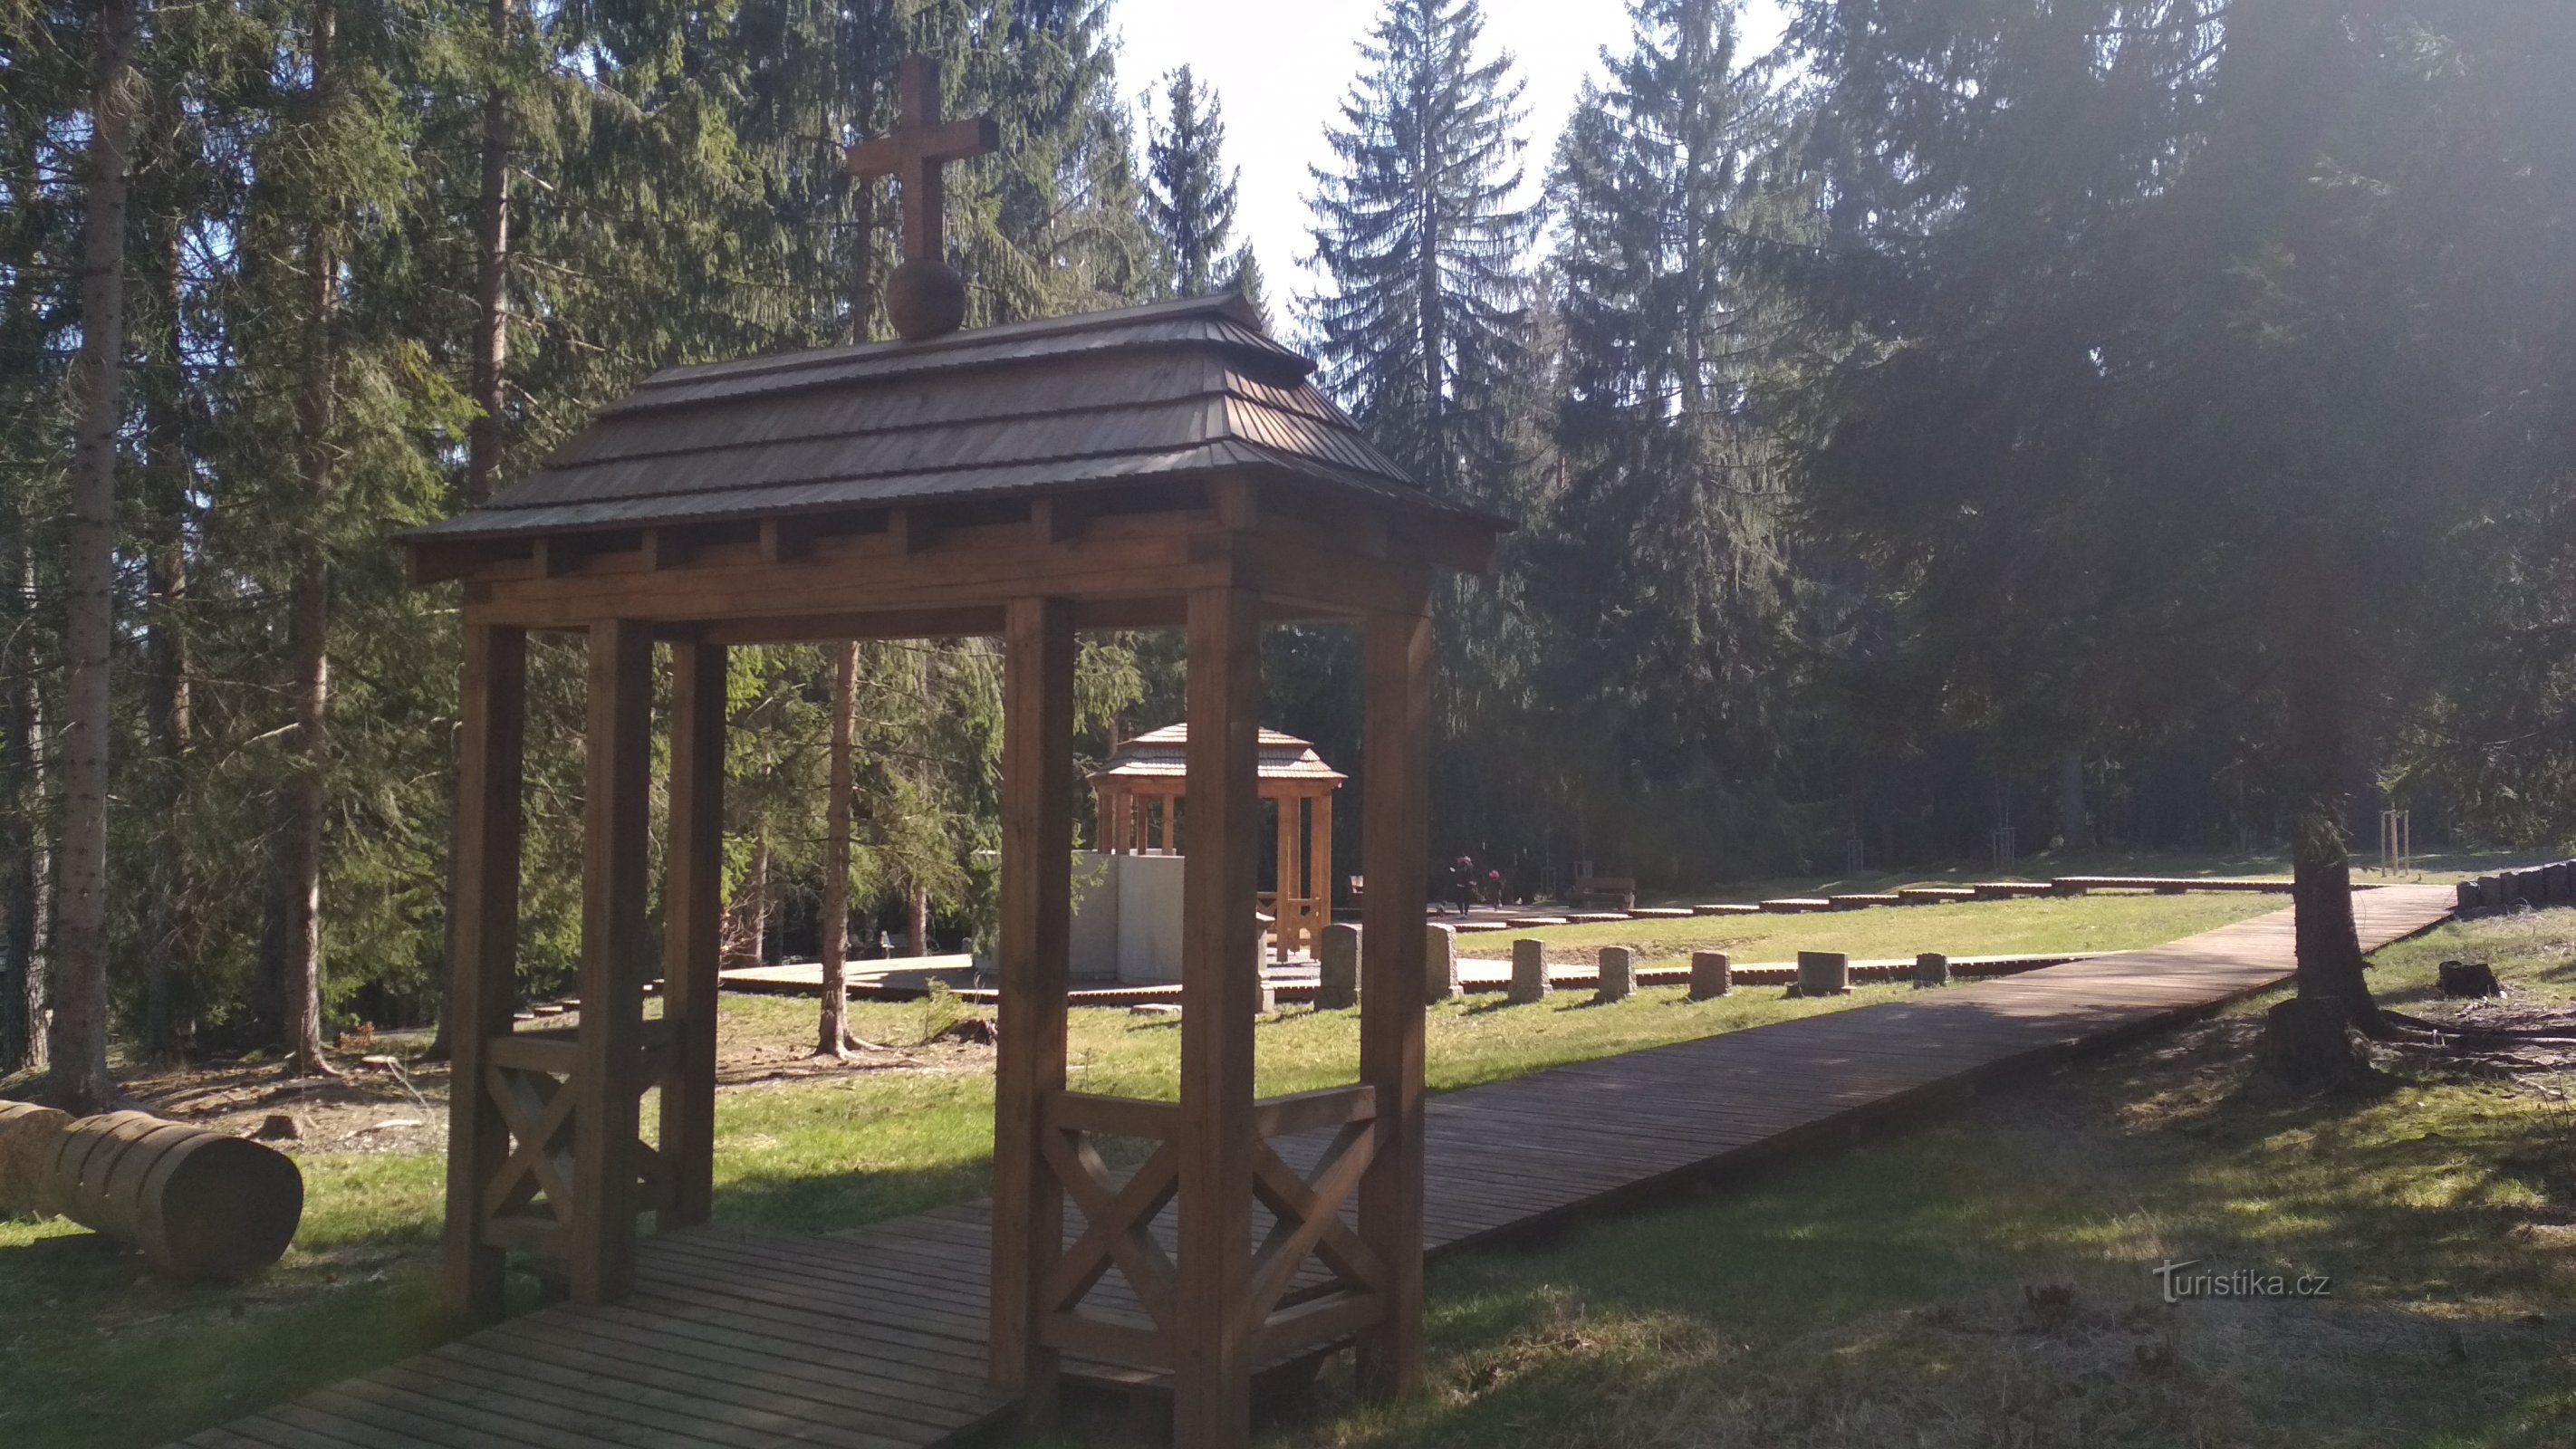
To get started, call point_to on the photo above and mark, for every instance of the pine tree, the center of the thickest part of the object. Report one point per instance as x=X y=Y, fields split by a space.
x=1189 y=193
x=1417 y=230
x=78 y=1079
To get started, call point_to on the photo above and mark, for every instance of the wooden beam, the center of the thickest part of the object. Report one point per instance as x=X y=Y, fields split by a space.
x=1054 y=520
x=1220 y=961
x=556 y=555
x=941 y=623
x=785 y=540
x=1034 y=948
x=1395 y=849
x=482 y=946
x=732 y=584
x=1236 y=501
x=908 y=531
x=618 y=745
x=666 y=548
x=693 y=903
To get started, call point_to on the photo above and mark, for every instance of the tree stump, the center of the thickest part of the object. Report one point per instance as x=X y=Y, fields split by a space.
x=1618 y=974
x=1439 y=962
x=2308 y=1041
x=1931 y=969
x=1337 y=988
x=1712 y=973
x=1823 y=973
x=1529 y=971
x=2468 y=978
x=30 y=1136
x=199 y=1204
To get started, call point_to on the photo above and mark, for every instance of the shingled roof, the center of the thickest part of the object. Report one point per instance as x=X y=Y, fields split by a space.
x=1163 y=754
x=1139 y=395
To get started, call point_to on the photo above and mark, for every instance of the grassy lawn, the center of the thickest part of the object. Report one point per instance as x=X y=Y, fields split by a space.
x=2101 y=922
x=1891 y=1292
x=83 y=1329
x=2428 y=866
x=93 y=1351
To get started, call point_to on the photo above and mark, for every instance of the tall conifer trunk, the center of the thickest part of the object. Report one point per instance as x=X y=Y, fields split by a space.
x=491 y=277
x=169 y=935
x=27 y=887
x=308 y=624
x=833 y=948
x=77 y=1077
x=2320 y=736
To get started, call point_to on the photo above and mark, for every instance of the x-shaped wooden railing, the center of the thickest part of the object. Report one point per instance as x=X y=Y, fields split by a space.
x=1118 y=1218
x=532 y=1080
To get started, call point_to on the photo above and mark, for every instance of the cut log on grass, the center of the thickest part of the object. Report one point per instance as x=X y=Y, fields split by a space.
x=197 y=1203
x=2308 y=1041
x=1529 y=972
x=1618 y=980
x=2468 y=978
x=1711 y=975
x=1823 y=973
x=29 y=1138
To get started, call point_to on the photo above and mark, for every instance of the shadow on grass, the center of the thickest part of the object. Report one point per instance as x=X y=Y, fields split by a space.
x=827 y=1201
x=1881 y=1294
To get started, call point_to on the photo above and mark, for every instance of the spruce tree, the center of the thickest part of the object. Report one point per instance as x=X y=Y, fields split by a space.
x=1660 y=568
x=1189 y=193
x=1418 y=232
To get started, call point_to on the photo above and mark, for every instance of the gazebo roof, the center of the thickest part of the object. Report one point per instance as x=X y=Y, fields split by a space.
x=1163 y=755
x=1162 y=392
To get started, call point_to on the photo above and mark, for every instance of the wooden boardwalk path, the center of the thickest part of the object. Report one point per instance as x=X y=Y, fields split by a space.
x=873 y=1338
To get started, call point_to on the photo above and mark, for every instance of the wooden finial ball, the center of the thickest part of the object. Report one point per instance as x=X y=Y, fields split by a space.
x=925 y=298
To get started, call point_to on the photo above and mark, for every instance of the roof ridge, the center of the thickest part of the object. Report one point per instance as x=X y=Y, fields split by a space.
x=1230 y=306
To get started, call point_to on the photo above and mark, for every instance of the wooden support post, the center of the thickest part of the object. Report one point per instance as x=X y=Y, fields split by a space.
x=1395 y=847
x=483 y=947
x=1319 y=858
x=1220 y=961
x=1284 y=926
x=618 y=743
x=1035 y=959
x=691 y=929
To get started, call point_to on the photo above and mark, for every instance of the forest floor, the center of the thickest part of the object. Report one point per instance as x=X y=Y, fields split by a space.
x=94 y=1351
x=1988 y=1277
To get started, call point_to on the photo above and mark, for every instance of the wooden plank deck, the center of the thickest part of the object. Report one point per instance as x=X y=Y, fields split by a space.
x=874 y=1338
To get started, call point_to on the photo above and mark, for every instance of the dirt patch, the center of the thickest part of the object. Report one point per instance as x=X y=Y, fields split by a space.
x=391 y=1100
x=393 y=1105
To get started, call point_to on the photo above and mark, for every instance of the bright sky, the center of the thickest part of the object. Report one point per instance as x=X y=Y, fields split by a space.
x=1281 y=71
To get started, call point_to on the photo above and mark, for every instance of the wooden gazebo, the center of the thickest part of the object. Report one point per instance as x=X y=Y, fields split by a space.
x=1135 y=793
x=1165 y=466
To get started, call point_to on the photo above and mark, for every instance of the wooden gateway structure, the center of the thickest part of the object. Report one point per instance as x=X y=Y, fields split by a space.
x=1165 y=466
x=1136 y=794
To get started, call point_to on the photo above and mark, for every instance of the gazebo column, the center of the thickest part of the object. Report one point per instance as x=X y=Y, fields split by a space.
x=483 y=949
x=1035 y=961
x=1395 y=848
x=691 y=930
x=1212 y=1392
x=1289 y=873
x=607 y=1076
x=1319 y=859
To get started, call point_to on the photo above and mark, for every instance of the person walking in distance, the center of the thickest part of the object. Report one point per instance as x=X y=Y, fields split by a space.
x=1462 y=884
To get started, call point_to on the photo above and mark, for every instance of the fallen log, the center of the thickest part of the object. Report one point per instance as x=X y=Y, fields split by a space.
x=198 y=1204
x=29 y=1137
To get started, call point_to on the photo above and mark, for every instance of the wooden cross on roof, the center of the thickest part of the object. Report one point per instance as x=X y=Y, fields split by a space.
x=916 y=151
